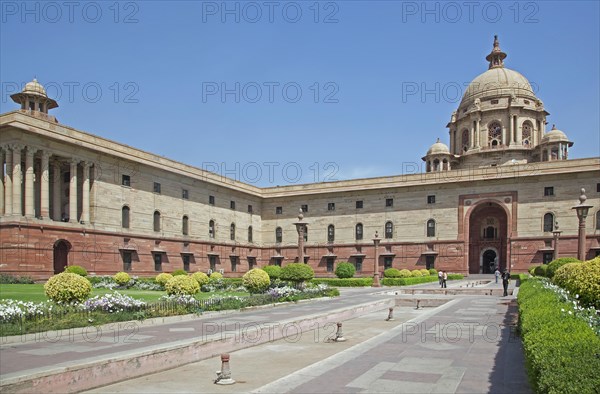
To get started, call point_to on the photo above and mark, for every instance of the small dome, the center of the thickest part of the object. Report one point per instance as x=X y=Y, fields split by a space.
x=497 y=82
x=34 y=87
x=555 y=135
x=438 y=148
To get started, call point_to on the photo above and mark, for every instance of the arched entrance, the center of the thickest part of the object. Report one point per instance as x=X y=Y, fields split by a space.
x=488 y=234
x=61 y=255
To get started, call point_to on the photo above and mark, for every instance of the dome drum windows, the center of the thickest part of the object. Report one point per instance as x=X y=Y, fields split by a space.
x=527 y=134
x=494 y=134
x=465 y=140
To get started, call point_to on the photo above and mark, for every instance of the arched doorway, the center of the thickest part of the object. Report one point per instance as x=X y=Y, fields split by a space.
x=488 y=235
x=61 y=255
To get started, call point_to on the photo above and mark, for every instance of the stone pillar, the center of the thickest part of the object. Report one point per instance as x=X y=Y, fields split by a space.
x=85 y=209
x=1 y=181
x=472 y=136
x=29 y=189
x=519 y=132
x=45 y=186
x=376 y=242
x=56 y=192
x=478 y=133
x=504 y=141
x=8 y=181
x=512 y=130
x=16 y=181
x=73 y=192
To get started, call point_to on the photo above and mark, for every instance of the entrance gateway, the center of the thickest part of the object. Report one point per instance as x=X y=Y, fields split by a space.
x=488 y=236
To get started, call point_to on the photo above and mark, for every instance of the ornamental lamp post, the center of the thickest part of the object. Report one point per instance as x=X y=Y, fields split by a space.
x=556 y=232
x=376 y=241
x=301 y=228
x=582 y=211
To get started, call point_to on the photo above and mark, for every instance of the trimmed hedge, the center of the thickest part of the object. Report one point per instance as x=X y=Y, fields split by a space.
x=297 y=272
x=560 y=349
x=541 y=270
x=416 y=280
x=346 y=282
x=67 y=287
x=76 y=269
x=345 y=270
x=256 y=280
x=556 y=264
x=391 y=273
x=274 y=271
x=582 y=279
x=521 y=277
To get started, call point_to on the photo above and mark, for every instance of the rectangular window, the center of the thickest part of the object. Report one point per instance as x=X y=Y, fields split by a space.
x=232 y=204
x=330 y=264
x=304 y=208
x=389 y=202
x=234 y=262
x=156 y=187
x=251 y=262
x=430 y=199
x=186 y=262
x=126 y=261
x=157 y=262
x=387 y=262
x=359 y=204
x=211 y=200
x=212 y=261
x=429 y=262
x=185 y=194
x=250 y=210
x=331 y=206
x=277 y=262
x=549 y=191
x=547 y=257
x=358 y=264
x=278 y=210
x=126 y=180
x=597 y=187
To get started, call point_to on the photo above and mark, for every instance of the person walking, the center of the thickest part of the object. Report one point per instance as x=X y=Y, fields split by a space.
x=440 y=277
x=505 y=280
x=444 y=279
x=497 y=274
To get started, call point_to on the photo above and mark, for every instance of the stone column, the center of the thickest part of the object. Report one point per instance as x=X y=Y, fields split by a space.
x=519 y=133
x=85 y=209
x=472 y=136
x=504 y=142
x=56 y=192
x=16 y=180
x=512 y=130
x=45 y=186
x=376 y=242
x=8 y=181
x=1 y=181
x=477 y=134
x=29 y=189
x=73 y=192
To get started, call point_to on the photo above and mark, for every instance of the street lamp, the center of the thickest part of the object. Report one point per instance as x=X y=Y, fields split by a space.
x=301 y=228
x=376 y=241
x=556 y=232
x=582 y=211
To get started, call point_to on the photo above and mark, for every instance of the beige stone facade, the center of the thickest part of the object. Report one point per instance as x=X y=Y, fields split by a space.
x=491 y=199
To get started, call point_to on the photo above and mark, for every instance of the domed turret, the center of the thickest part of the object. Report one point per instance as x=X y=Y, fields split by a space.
x=34 y=98
x=555 y=135
x=438 y=157
x=554 y=146
x=438 y=147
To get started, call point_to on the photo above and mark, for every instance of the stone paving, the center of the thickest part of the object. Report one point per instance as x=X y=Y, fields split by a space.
x=466 y=345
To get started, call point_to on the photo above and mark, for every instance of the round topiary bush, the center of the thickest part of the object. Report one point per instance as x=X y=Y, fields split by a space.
x=216 y=276
x=417 y=273
x=182 y=285
x=274 y=271
x=345 y=270
x=297 y=272
x=68 y=287
x=76 y=269
x=424 y=272
x=163 y=278
x=121 y=278
x=433 y=271
x=179 y=272
x=531 y=270
x=582 y=279
x=391 y=273
x=540 y=270
x=256 y=280
x=201 y=278
x=556 y=264
x=405 y=273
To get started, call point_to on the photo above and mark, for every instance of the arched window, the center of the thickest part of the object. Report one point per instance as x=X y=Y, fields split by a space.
x=279 y=235
x=232 y=232
x=156 y=221
x=445 y=165
x=598 y=220
x=431 y=228
x=185 y=225
x=330 y=233
x=436 y=165
x=490 y=232
x=548 y=222
x=250 y=235
x=389 y=230
x=211 y=229
x=494 y=134
x=527 y=133
x=125 y=217
x=465 y=140
x=359 y=231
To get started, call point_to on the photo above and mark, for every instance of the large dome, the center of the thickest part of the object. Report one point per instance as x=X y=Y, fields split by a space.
x=495 y=82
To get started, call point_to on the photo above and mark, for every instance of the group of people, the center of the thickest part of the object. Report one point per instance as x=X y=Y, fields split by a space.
x=505 y=276
x=443 y=278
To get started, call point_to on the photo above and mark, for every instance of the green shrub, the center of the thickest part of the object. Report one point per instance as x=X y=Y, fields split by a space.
x=163 y=278
x=122 y=278
x=424 y=272
x=417 y=273
x=345 y=282
x=405 y=273
x=182 y=285
x=565 y=275
x=216 y=276
x=7 y=279
x=540 y=270
x=556 y=264
x=274 y=271
x=200 y=277
x=582 y=279
x=76 y=269
x=560 y=349
x=68 y=287
x=256 y=280
x=416 y=280
x=433 y=271
x=391 y=273
x=297 y=272
x=531 y=270
x=345 y=270
x=179 y=272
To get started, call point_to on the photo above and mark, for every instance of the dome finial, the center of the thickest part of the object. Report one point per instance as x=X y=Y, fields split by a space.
x=496 y=57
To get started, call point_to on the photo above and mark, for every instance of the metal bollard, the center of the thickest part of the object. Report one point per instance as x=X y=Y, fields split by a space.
x=224 y=375
x=339 y=336
x=390 y=315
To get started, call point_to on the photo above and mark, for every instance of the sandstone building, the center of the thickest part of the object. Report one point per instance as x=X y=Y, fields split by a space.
x=493 y=197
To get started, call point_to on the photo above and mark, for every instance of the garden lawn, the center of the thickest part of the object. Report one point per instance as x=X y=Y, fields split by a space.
x=35 y=293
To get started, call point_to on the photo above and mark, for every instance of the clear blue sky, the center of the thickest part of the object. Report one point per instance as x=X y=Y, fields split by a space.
x=150 y=74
